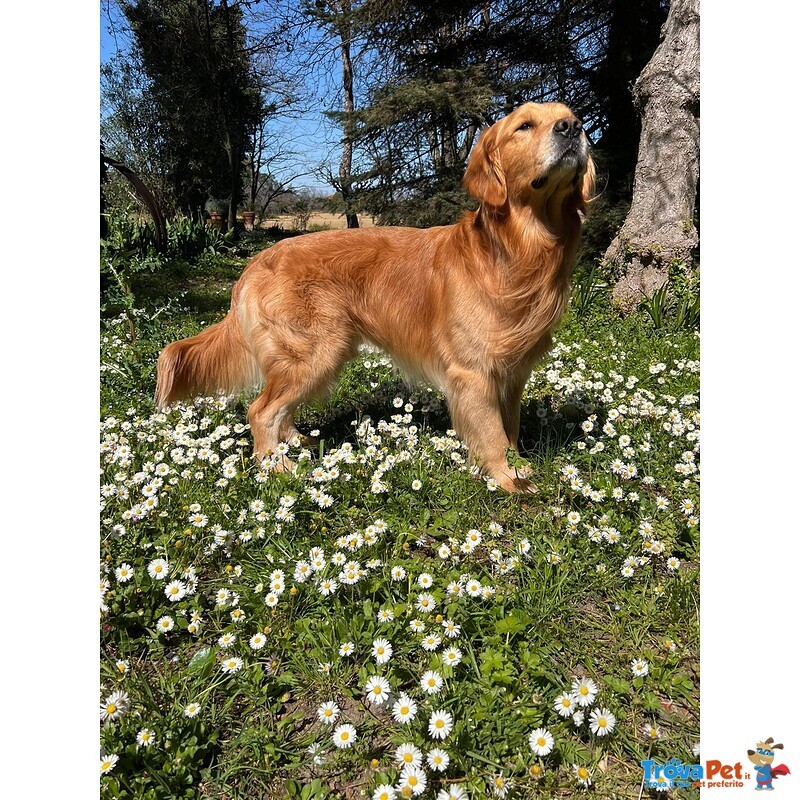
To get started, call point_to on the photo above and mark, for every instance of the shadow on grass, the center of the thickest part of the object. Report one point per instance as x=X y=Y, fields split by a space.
x=539 y=440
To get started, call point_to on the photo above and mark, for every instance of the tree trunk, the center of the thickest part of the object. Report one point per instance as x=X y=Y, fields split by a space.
x=634 y=33
x=659 y=229
x=346 y=164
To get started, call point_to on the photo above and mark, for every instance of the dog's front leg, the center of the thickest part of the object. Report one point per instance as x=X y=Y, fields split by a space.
x=512 y=388
x=475 y=405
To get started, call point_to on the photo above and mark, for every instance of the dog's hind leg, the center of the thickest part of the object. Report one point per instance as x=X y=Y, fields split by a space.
x=292 y=376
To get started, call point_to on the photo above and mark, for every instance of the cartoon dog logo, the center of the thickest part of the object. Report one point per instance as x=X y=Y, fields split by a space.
x=762 y=757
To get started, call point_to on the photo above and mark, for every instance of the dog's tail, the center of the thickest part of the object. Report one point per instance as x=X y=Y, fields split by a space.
x=216 y=360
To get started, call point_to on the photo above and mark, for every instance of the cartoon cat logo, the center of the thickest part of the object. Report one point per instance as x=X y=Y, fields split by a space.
x=762 y=757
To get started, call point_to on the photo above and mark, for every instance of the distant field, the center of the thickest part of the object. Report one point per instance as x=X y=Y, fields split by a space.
x=318 y=220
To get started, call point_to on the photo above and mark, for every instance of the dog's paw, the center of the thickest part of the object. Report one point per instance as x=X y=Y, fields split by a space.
x=516 y=483
x=285 y=465
x=524 y=486
x=268 y=462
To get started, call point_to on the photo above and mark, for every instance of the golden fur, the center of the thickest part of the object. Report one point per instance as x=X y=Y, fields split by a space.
x=468 y=306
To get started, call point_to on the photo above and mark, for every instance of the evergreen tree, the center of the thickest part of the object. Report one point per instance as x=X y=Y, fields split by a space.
x=205 y=97
x=453 y=66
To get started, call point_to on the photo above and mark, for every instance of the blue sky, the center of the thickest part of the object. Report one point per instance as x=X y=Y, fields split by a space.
x=314 y=139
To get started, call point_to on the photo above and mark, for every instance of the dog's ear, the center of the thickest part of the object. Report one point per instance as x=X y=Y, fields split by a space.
x=777 y=747
x=485 y=179
x=586 y=186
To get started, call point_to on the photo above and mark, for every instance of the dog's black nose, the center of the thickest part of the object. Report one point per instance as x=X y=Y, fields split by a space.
x=569 y=127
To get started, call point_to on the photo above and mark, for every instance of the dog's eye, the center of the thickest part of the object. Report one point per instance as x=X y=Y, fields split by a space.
x=526 y=126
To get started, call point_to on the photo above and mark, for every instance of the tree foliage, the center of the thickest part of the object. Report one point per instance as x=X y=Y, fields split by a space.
x=202 y=91
x=409 y=86
x=448 y=68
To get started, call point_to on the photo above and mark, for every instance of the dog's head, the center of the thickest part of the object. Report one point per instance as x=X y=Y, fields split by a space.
x=764 y=752
x=536 y=152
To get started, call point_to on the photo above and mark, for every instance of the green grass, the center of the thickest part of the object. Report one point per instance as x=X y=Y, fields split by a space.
x=560 y=608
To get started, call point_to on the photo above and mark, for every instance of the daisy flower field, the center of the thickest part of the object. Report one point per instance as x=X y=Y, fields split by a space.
x=384 y=622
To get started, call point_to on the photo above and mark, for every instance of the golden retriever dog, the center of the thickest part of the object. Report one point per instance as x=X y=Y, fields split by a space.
x=468 y=306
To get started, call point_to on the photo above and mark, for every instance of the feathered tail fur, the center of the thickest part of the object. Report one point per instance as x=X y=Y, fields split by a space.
x=216 y=360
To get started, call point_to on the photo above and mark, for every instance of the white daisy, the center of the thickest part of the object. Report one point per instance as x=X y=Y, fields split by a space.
x=107 y=763
x=114 y=706
x=583 y=775
x=602 y=721
x=165 y=624
x=145 y=738
x=437 y=759
x=585 y=690
x=431 y=682
x=158 y=569
x=440 y=724
x=382 y=650
x=453 y=792
x=408 y=755
x=384 y=792
x=565 y=704
x=451 y=630
x=404 y=709
x=346 y=649
x=377 y=690
x=192 y=710
x=501 y=785
x=425 y=602
x=640 y=667
x=232 y=664
x=328 y=712
x=327 y=587
x=540 y=741
x=413 y=778
x=651 y=730
x=344 y=736
x=124 y=573
x=473 y=588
